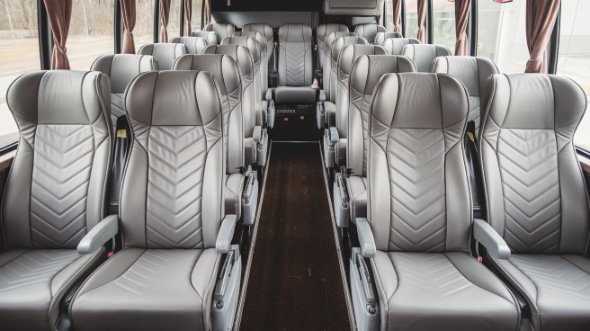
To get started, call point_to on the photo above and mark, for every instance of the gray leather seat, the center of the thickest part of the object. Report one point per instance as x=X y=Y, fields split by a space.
x=380 y=37
x=55 y=192
x=417 y=236
x=121 y=69
x=164 y=53
x=255 y=136
x=365 y=73
x=536 y=197
x=171 y=213
x=321 y=32
x=472 y=72
x=423 y=55
x=295 y=55
x=395 y=46
x=226 y=73
x=341 y=62
x=222 y=30
x=209 y=36
x=369 y=31
x=263 y=48
x=267 y=31
x=194 y=45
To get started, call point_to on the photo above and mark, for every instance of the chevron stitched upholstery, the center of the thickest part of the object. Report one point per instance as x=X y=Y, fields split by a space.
x=535 y=194
x=55 y=192
x=420 y=211
x=295 y=52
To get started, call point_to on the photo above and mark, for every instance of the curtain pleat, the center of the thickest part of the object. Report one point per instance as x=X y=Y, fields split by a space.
x=164 y=16
x=59 y=13
x=462 y=9
x=128 y=12
x=422 y=20
x=540 y=19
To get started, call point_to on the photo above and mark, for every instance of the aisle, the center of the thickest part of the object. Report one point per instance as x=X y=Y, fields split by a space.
x=295 y=281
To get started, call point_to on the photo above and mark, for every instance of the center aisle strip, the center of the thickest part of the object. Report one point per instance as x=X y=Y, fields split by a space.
x=295 y=281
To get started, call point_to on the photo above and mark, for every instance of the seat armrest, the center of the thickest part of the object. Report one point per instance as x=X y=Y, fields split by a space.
x=334 y=137
x=269 y=94
x=322 y=96
x=366 y=239
x=257 y=134
x=226 y=234
x=490 y=239
x=104 y=231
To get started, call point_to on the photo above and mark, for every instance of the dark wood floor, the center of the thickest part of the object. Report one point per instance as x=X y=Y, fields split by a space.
x=295 y=281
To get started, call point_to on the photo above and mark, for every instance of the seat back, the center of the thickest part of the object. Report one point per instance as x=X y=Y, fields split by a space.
x=254 y=49
x=262 y=47
x=194 y=45
x=242 y=56
x=209 y=36
x=369 y=31
x=380 y=37
x=472 y=72
x=534 y=187
x=366 y=72
x=176 y=156
x=165 y=53
x=321 y=32
x=225 y=71
x=418 y=192
x=423 y=55
x=339 y=92
x=328 y=69
x=295 y=55
x=267 y=31
x=56 y=189
x=395 y=46
x=222 y=30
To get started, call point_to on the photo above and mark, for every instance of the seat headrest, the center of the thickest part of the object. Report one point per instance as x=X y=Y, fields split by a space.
x=471 y=71
x=295 y=33
x=164 y=53
x=194 y=45
x=333 y=36
x=122 y=68
x=260 y=39
x=424 y=55
x=380 y=37
x=162 y=98
x=248 y=42
x=265 y=29
x=60 y=97
x=323 y=30
x=350 y=53
x=395 y=46
x=209 y=36
x=240 y=54
x=368 y=69
x=341 y=42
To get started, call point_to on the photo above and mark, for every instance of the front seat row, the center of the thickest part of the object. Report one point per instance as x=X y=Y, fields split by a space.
x=176 y=238
x=414 y=268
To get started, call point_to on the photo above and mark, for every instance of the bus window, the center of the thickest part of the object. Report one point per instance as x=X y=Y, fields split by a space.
x=197 y=8
x=501 y=34
x=174 y=19
x=91 y=32
x=19 y=53
x=574 y=55
x=412 y=20
x=444 y=31
x=143 y=33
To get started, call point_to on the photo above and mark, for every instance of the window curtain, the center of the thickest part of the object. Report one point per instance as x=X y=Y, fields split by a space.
x=397 y=16
x=462 y=9
x=422 y=20
x=59 y=13
x=540 y=19
x=129 y=15
x=207 y=12
x=164 y=15
x=188 y=15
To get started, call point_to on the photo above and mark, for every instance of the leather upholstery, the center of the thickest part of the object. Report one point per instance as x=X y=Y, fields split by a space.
x=322 y=31
x=420 y=213
x=267 y=31
x=369 y=31
x=472 y=72
x=209 y=36
x=164 y=53
x=121 y=69
x=535 y=194
x=226 y=73
x=335 y=50
x=249 y=114
x=295 y=55
x=395 y=46
x=380 y=37
x=263 y=47
x=194 y=45
x=55 y=192
x=424 y=54
x=171 y=210
x=328 y=69
x=222 y=30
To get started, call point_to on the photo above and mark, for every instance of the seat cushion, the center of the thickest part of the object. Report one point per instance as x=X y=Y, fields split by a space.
x=557 y=288
x=441 y=291
x=33 y=282
x=148 y=289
